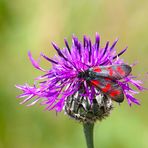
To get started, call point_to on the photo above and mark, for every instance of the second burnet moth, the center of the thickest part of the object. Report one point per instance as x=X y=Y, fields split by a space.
x=104 y=78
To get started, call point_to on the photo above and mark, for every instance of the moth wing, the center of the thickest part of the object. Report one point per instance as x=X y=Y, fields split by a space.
x=109 y=87
x=115 y=72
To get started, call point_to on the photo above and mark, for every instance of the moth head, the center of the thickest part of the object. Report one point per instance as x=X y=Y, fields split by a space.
x=84 y=75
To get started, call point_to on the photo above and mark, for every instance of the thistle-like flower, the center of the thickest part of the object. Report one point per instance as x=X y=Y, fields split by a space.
x=84 y=80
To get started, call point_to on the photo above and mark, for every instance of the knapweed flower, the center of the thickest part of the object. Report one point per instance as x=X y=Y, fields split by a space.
x=75 y=84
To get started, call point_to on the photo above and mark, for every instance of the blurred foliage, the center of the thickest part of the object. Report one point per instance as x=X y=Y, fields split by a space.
x=32 y=25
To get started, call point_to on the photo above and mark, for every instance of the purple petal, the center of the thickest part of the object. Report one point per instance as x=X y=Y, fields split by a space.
x=66 y=43
x=114 y=44
x=58 y=51
x=97 y=43
x=106 y=47
x=48 y=59
x=132 y=99
x=34 y=63
x=120 y=53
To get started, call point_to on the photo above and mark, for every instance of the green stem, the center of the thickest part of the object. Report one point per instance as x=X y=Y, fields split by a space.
x=88 y=131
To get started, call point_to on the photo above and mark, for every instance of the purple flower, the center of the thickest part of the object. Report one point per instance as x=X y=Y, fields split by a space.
x=62 y=81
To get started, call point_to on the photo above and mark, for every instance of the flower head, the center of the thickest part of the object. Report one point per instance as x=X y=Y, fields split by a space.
x=61 y=86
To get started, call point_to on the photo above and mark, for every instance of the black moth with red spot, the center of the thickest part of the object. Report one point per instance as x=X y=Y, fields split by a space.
x=104 y=78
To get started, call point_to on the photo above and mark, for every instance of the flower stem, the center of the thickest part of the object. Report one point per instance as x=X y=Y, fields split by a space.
x=88 y=131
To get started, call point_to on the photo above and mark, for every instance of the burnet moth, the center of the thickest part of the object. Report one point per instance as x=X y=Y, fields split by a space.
x=104 y=78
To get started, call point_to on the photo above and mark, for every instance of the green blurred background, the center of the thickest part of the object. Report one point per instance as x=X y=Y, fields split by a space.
x=32 y=25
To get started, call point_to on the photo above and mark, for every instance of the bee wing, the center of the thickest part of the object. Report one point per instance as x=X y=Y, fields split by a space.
x=109 y=87
x=115 y=72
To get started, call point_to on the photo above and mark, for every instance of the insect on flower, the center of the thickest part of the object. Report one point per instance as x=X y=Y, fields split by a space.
x=104 y=79
x=83 y=81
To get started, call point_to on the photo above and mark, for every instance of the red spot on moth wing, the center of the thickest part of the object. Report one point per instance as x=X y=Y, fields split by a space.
x=95 y=82
x=115 y=93
x=120 y=70
x=106 y=88
x=107 y=78
x=97 y=69
x=110 y=71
